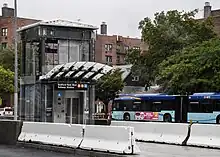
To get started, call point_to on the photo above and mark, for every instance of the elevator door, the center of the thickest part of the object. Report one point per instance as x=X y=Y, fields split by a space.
x=72 y=111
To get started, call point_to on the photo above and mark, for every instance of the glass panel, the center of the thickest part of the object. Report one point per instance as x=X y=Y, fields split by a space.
x=75 y=110
x=68 y=103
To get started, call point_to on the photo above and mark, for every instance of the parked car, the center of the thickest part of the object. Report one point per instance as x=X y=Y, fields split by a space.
x=7 y=111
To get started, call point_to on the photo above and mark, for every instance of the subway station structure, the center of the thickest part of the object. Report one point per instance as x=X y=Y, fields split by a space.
x=58 y=72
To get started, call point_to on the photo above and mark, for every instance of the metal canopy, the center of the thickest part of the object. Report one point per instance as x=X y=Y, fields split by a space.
x=62 y=23
x=77 y=71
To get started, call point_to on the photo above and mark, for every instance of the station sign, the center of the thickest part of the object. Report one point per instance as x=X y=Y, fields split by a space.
x=71 y=86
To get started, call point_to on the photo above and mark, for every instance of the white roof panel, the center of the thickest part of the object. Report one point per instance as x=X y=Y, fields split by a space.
x=88 y=65
x=88 y=75
x=97 y=67
x=78 y=65
x=54 y=70
x=98 y=76
x=69 y=73
x=60 y=23
x=79 y=74
x=68 y=65
x=106 y=69
x=59 y=74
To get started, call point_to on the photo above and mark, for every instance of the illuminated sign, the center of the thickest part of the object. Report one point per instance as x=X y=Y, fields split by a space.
x=72 y=86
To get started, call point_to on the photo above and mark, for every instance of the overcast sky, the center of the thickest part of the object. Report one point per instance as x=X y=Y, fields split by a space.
x=122 y=16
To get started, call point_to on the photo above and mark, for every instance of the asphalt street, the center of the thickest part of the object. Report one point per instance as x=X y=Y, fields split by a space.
x=163 y=150
x=147 y=150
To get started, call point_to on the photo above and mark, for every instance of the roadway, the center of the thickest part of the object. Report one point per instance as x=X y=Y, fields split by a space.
x=163 y=150
x=147 y=149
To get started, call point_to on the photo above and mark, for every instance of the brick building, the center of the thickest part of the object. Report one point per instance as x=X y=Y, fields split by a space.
x=113 y=49
x=6 y=25
x=215 y=14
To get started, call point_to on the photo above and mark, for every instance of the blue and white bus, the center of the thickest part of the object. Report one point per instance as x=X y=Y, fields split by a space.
x=204 y=108
x=199 y=107
x=149 y=107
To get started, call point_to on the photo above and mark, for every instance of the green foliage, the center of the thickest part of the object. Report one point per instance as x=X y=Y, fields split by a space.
x=7 y=57
x=166 y=35
x=194 y=69
x=6 y=79
x=109 y=85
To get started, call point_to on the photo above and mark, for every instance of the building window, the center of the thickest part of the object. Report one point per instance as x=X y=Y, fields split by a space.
x=118 y=59
x=4 y=45
x=44 y=31
x=108 y=47
x=126 y=48
x=135 y=78
x=4 y=31
x=108 y=59
x=51 y=47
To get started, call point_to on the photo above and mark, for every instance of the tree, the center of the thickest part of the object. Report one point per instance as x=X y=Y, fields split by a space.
x=166 y=35
x=6 y=79
x=7 y=57
x=194 y=69
x=109 y=85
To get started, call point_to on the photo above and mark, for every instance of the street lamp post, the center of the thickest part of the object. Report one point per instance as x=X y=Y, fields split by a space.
x=15 y=62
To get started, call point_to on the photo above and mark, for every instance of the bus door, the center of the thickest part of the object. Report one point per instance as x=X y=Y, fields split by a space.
x=181 y=109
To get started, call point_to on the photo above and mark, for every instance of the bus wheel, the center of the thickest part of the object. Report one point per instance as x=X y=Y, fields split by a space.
x=218 y=120
x=126 y=116
x=167 y=118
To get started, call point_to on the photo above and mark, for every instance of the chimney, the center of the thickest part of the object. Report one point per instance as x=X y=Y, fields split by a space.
x=104 y=28
x=207 y=10
x=6 y=11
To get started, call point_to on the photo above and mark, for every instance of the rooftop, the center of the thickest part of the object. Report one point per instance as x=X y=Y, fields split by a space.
x=125 y=69
x=59 y=23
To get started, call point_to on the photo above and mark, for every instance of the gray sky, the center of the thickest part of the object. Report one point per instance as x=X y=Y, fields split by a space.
x=122 y=16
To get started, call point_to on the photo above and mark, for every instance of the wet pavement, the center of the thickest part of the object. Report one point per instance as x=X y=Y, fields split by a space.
x=163 y=150
x=147 y=150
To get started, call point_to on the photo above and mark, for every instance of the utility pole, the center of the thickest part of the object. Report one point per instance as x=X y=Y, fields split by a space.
x=16 y=63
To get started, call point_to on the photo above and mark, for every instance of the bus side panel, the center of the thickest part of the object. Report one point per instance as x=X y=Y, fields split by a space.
x=203 y=117
x=117 y=115
x=163 y=112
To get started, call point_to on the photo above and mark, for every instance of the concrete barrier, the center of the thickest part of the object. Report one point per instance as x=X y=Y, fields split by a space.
x=110 y=139
x=9 y=131
x=51 y=133
x=170 y=133
x=205 y=135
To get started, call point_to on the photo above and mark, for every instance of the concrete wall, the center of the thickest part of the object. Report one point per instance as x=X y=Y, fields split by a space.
x=10 y=131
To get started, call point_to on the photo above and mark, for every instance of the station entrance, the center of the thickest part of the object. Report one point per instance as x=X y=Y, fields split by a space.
x=74 y=91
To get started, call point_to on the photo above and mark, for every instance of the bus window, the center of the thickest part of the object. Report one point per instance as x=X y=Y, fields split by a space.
x=206 y=106
x=157 y=106
x=167 y=105
x=122 y=105
x=216 y=106
x=194 y=107
x=146 y=106
x=137 y=106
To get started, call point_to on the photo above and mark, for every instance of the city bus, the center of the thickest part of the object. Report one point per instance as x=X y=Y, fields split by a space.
x=204 y=108
x=150 y=107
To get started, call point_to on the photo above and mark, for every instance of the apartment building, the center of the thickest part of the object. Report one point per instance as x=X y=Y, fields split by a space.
x=7 y=25
x=112 y=49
